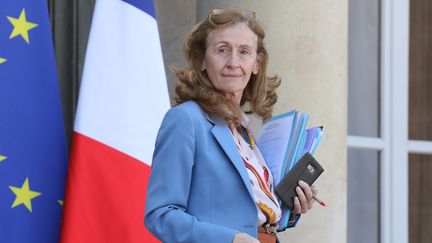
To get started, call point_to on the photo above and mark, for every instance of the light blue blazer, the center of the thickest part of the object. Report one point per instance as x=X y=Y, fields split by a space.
x=199 y=189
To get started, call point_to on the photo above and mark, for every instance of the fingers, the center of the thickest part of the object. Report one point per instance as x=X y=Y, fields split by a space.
x=304 y=197
x=314 y=190
x=241 y=237
x=304 y=207
x=297 y=206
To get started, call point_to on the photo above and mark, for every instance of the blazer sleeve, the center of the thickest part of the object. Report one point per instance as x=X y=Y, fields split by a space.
x=169 y=186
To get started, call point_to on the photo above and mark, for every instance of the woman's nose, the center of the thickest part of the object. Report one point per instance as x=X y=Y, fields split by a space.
x=233 y=60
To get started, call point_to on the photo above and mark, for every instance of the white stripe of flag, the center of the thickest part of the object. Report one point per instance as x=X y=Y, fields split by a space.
x=123 y=98
x=123 y=95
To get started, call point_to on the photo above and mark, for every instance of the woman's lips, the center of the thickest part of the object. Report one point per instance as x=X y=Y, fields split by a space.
x=232 y=75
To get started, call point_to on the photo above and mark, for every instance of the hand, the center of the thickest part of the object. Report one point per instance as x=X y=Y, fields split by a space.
x=304 y=199
x=241 y=237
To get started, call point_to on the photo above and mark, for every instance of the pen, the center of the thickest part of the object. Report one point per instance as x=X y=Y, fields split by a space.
x=319 y=201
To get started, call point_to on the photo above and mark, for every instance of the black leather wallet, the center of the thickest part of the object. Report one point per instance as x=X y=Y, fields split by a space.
x=306 y=169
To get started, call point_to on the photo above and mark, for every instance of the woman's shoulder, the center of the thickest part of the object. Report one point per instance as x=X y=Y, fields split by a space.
x=187 y=110
x=190 y=106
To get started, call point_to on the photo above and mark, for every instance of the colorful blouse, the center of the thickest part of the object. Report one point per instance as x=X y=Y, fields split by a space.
x=261 y=179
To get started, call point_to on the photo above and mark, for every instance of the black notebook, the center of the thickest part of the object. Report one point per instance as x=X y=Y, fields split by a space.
x=306 y=169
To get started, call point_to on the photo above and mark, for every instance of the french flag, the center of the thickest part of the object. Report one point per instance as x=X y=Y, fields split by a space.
x=123 y=98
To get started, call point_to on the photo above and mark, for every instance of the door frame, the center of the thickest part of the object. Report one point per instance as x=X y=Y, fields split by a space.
x=393 y=143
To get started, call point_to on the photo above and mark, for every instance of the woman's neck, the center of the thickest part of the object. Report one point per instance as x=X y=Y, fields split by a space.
x=236 y=98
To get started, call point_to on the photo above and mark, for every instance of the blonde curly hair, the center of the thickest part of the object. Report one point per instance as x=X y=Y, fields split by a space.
x=260 y=91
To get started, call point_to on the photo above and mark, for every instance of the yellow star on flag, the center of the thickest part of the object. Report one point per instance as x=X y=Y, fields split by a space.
x=2 y=157
x=24 y=195
x=60 y=202
x=2 y=60
x=21 y=26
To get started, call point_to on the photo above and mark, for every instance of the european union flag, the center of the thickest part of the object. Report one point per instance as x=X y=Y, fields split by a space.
x=33 y=154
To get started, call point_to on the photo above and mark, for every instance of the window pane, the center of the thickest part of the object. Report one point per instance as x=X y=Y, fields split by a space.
x=420 y=71
x=363 y=67
x=420 y=198
x=363 y=196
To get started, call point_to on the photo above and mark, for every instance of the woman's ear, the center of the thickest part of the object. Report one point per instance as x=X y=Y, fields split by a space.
x=256 y=67
x=203 y=66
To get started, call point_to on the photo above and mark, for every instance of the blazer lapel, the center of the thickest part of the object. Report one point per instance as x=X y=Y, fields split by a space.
x=223 y=136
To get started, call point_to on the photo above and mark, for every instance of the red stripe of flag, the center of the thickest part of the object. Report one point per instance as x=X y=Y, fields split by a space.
x=105 y=202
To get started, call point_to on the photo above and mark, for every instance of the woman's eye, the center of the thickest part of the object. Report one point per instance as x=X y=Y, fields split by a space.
x=223 y=50
x=244 y=52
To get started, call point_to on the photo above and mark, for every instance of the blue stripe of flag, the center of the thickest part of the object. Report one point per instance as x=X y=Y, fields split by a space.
x=144 y=5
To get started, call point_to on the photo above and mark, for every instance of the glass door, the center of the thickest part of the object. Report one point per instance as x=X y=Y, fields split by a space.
x=378 y=142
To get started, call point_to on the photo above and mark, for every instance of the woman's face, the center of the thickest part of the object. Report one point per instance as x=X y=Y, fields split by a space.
x=231 y=58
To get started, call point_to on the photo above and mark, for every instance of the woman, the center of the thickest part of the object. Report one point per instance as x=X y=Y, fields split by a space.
x=209 y=182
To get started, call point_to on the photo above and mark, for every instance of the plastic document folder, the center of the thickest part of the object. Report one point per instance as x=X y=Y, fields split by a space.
x=283 y=140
